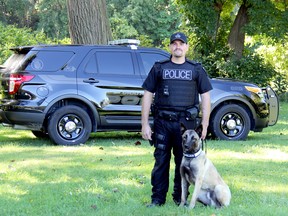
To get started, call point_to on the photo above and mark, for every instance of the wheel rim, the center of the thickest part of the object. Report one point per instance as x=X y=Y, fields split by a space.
x=232 y=124
x=70 y=127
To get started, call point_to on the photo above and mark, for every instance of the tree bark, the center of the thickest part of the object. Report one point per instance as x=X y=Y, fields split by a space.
x=88 y=22
x=236 y=37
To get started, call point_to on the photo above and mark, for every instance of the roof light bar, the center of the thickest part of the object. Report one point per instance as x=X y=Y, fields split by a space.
x=124 y=42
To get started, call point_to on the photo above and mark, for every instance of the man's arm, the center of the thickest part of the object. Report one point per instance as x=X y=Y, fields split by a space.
x=206 y=109
x=146 y=105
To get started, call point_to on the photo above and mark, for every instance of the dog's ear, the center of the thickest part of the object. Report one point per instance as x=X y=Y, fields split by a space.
x=199 y=130
x=183 y=128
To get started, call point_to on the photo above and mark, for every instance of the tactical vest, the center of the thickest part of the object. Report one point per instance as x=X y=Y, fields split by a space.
x=177 y=89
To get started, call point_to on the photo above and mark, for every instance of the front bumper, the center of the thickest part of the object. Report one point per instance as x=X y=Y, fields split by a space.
x=273 y=102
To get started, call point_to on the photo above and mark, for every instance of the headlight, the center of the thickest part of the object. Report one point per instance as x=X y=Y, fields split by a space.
x=256 y=90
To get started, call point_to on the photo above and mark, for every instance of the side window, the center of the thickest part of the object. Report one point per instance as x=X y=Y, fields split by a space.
x=114 y=63
x=91 y=66
x=48 y=60
x=148 y=60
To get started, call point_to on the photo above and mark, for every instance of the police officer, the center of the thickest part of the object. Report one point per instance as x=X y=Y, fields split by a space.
x=176 y=83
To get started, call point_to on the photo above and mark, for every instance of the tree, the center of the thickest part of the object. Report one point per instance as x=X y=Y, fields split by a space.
x=222 y=22
x=236 y=38
x=12 y=37
x=220 y=29
x=18 y=12
x=52 y=18
x=152 y=19
x=88 y=22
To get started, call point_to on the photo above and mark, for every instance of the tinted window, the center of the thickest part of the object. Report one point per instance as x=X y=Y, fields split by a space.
x=110 y=63
x=149 y=59
x=48 y=60
x=91 y=66
x=13 y=62
x=115 y=63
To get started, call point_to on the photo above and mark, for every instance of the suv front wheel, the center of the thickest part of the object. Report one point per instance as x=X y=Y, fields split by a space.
x=69 y=125
x=231 y=122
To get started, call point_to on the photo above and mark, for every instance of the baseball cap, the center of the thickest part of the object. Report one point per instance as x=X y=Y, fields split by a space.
x=178 y=36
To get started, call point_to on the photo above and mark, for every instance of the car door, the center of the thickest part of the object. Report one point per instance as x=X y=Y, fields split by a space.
x=110 y=78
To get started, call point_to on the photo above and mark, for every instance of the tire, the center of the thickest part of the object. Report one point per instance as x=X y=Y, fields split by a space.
x=69 y=125
x=230 y=122
x=40 y=134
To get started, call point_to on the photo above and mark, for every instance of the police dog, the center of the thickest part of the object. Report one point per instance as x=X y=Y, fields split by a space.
x=197 y=169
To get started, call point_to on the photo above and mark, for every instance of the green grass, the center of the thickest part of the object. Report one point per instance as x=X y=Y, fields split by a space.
x=110 y=175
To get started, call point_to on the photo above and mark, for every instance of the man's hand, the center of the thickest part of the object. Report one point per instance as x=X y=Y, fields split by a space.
x=206 y=109
x=204 y=133
x=146 y=132
x=146 y=104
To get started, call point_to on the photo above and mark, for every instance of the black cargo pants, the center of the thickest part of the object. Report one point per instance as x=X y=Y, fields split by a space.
x=167 y=137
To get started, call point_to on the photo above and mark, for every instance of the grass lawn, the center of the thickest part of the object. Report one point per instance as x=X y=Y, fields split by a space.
x=110 y=175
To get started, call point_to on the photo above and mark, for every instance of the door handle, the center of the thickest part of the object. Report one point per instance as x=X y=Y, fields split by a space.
x=91 y=80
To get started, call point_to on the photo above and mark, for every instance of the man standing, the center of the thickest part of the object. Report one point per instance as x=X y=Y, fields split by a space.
x=177 y=83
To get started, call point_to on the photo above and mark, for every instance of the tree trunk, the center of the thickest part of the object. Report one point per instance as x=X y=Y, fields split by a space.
x=236 y=37
x=88 y=22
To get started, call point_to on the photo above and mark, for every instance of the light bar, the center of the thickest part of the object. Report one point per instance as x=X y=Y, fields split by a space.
x=124 y=42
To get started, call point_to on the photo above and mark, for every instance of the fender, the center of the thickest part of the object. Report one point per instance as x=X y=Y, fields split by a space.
x=85 y=101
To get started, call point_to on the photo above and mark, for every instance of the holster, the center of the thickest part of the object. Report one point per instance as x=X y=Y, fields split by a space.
x=168 y=115
x=192 y=113
x=158 y=141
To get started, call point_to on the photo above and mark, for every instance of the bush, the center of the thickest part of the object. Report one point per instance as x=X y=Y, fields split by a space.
x=11 y=37
x=250 y=68
x=283 y=97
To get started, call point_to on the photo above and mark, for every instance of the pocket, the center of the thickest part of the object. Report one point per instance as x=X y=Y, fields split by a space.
x=159 y=141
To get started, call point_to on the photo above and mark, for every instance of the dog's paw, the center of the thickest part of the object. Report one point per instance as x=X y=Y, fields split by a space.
x=183 y=204
x=191 y=206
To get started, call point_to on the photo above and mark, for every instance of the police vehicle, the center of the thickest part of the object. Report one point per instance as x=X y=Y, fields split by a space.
x=65 y=92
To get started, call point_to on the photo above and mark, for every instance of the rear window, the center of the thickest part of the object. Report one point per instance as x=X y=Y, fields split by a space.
x=13 y=62
x=48 y=60
x=37 y=61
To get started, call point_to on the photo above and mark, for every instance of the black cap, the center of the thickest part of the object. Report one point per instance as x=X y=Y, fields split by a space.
x=178 y=36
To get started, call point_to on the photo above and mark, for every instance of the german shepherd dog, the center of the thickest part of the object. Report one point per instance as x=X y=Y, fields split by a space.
x=197 y=169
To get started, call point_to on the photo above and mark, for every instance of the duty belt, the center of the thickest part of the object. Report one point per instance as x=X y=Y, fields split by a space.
x=189 y=114
x=169 y=115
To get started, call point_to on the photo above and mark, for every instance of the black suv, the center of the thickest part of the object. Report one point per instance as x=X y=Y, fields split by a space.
x=68 y=91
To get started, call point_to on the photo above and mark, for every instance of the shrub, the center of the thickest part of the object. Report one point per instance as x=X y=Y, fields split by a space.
x=11 y=37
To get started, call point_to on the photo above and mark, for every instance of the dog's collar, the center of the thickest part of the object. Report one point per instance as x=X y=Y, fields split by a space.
x=195 y=155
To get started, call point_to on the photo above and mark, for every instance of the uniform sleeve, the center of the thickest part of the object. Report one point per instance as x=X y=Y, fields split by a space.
x=151 y=80
x=203 y=83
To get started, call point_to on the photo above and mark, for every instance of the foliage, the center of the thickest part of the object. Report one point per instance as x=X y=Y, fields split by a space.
x=275 y=54
x=156 y=19
x=53 y=19
x=48 y=16
x=207 y=23
x=17 y=12
x=12 y=36
x=283 y=97
x=210 y=23
x=110 y=175
x=250 y=68
x=261 y=21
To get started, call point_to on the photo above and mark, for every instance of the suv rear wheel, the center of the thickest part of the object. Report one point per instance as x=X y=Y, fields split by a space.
x=69 y=125
x=231 y=122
